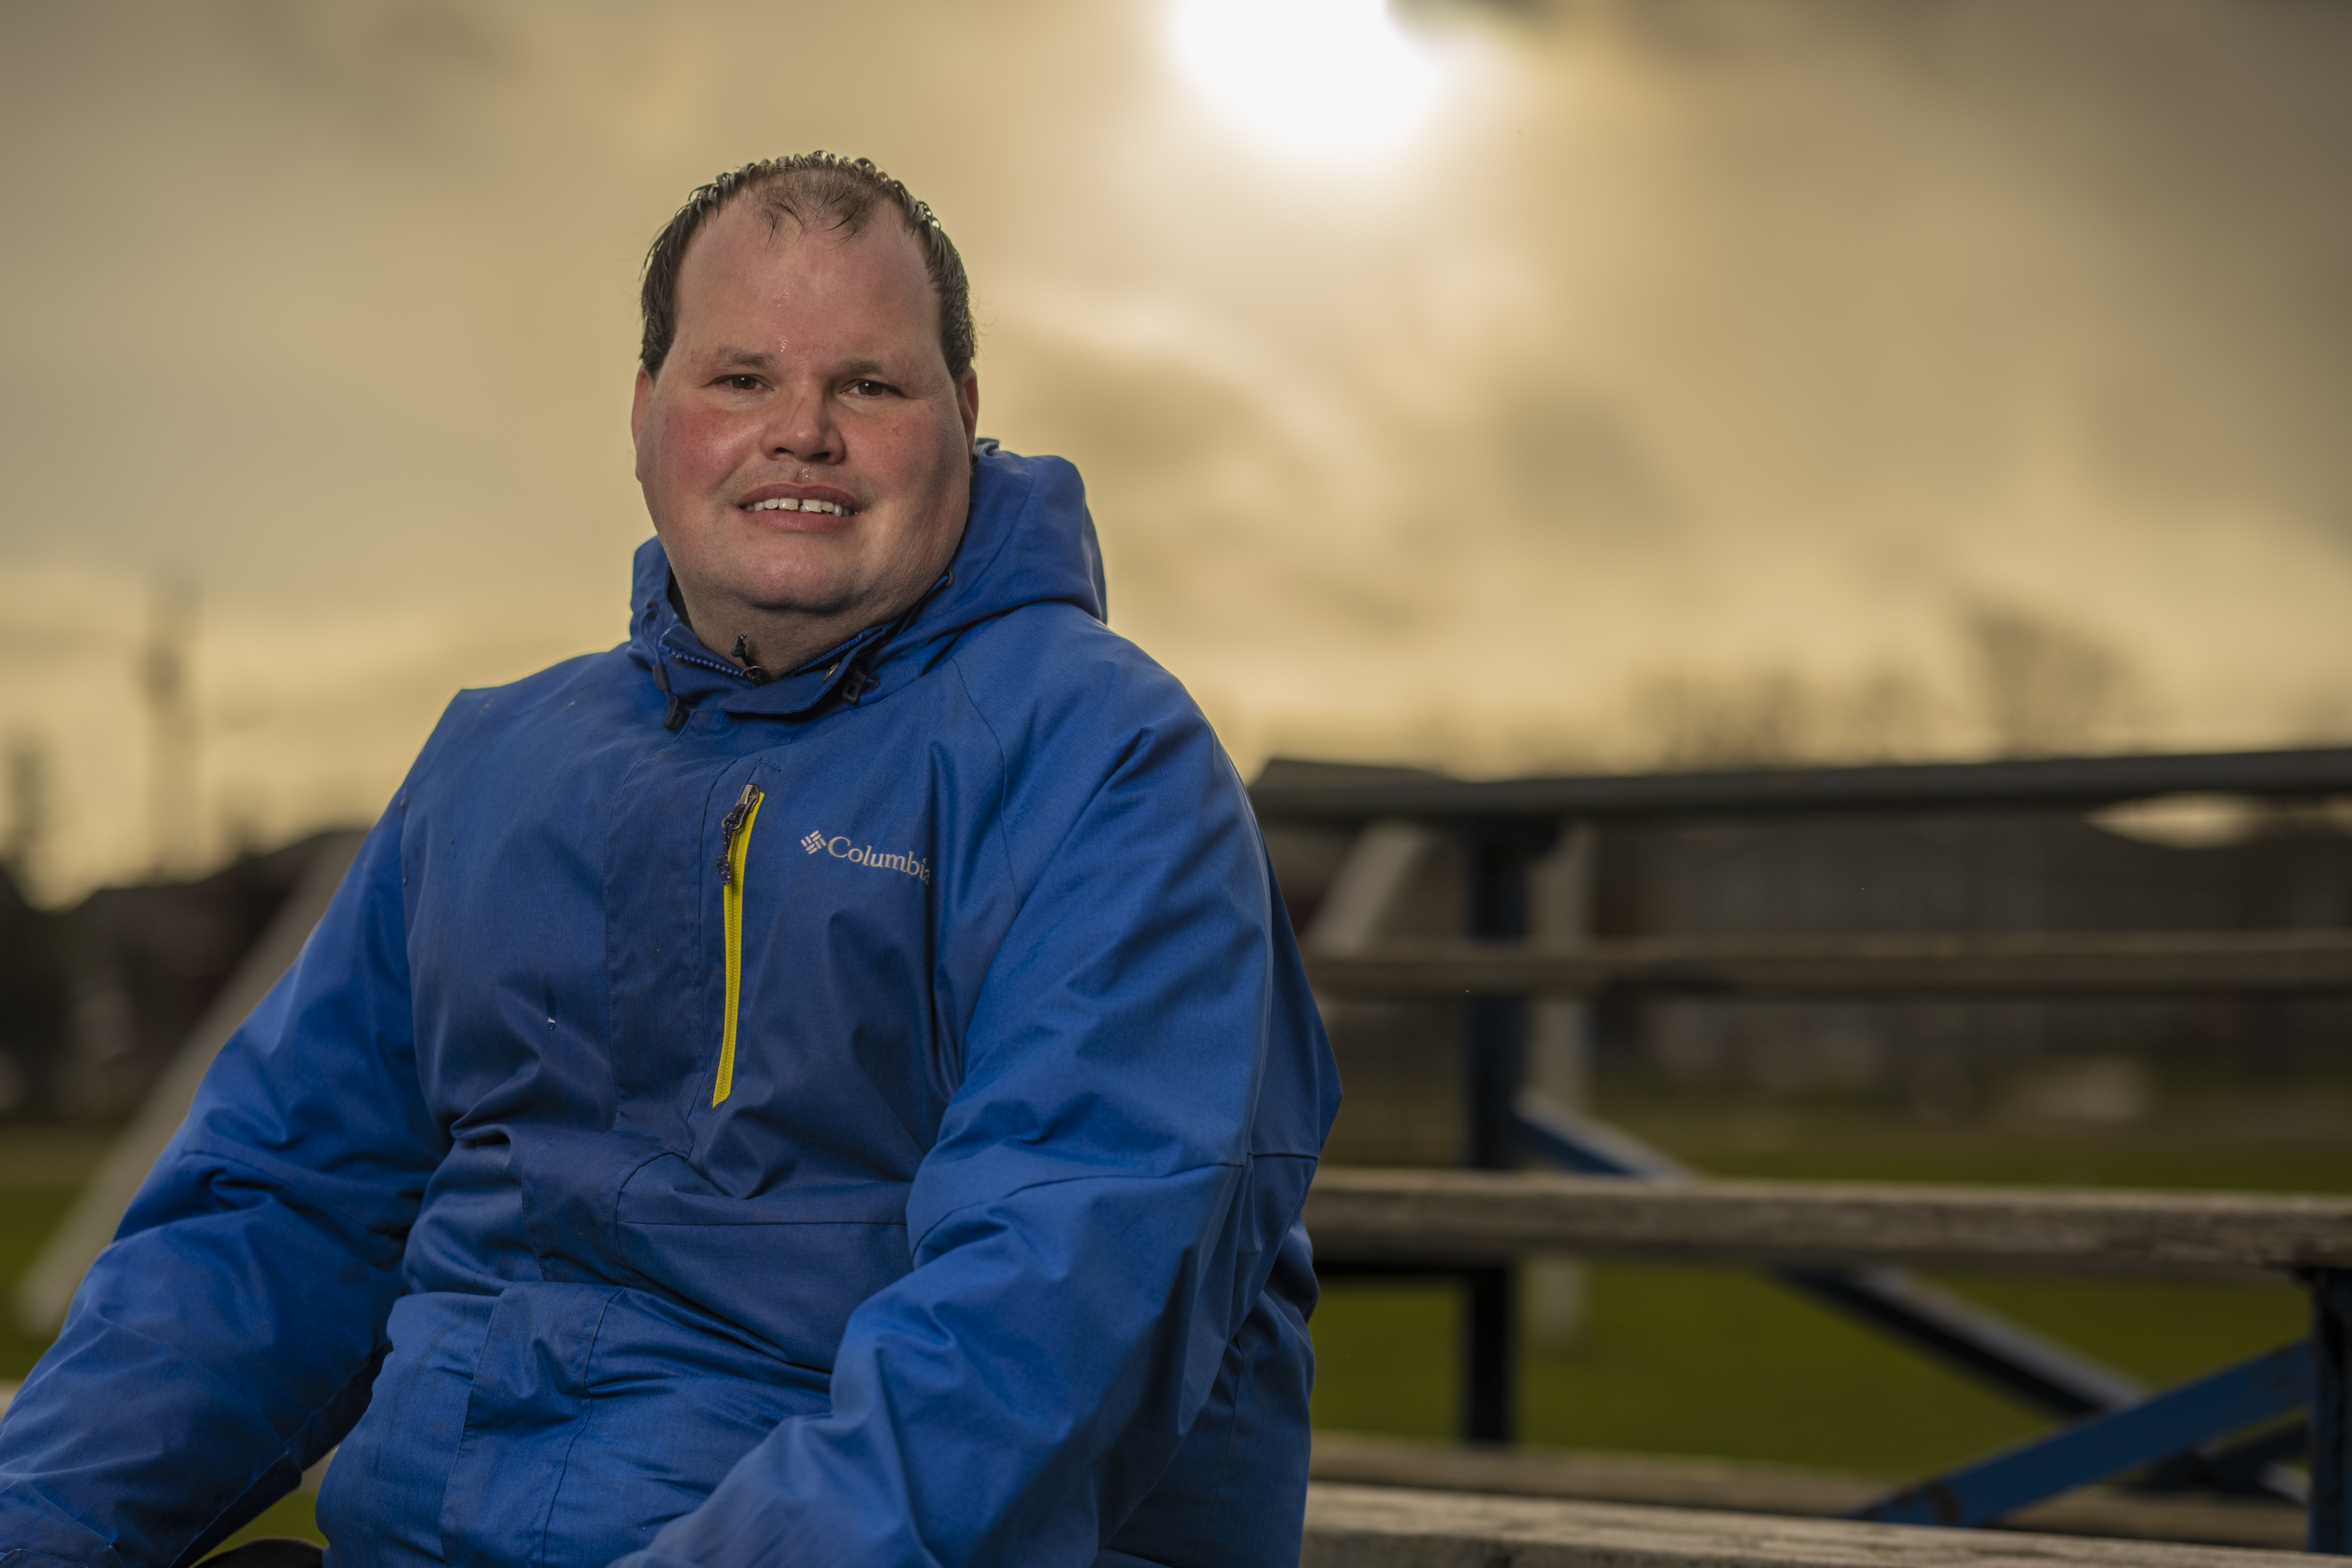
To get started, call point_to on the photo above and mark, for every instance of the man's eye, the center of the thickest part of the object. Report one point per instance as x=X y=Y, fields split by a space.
x=740 y=383
x=869 y=388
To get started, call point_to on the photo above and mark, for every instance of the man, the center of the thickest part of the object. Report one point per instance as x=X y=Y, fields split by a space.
x=827 y=1082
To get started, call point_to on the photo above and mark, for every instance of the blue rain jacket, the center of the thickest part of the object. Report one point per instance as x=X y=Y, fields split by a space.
x=865 y=1125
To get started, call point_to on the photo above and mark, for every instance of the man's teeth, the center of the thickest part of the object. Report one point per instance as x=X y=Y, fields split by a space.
x=786 y=503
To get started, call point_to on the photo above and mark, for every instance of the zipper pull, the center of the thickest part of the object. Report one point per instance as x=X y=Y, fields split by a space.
x=731 y=825
x=750 y=664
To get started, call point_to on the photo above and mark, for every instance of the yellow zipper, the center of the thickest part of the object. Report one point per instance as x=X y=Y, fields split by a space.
x=734 y=849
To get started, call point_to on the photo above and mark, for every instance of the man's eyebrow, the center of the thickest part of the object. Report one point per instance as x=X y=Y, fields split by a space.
x=729 y=357
x=753 y=359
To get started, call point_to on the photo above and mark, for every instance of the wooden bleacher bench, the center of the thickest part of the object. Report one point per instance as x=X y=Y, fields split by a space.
x=1369 y=1216
x=1394 y=1527
x=1532 y=926
x=1413 y=1220
x=1755 y=1486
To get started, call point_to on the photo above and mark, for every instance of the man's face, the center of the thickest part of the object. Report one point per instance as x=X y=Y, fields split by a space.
x=806 y=368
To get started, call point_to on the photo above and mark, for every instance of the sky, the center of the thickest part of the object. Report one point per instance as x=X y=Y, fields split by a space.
x=1544 y=385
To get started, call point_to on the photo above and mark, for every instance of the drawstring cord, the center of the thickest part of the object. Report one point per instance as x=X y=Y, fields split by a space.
x=674 y=719
x=854 y=680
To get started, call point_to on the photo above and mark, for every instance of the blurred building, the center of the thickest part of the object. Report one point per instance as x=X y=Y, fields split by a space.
x=33 y=1000
x=1976 y=874
x=96 y=1000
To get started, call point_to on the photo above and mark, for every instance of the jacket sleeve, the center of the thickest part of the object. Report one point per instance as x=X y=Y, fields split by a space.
x=1093 y=1224
x=228 y=1336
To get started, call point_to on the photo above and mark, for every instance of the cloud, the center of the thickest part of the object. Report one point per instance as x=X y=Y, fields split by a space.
x=1698 y=346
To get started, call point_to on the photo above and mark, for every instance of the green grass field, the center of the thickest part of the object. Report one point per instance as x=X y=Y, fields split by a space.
x=1705 y=1362
x=1689 y=1360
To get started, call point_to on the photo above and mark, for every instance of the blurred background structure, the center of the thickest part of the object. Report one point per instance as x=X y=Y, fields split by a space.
x=1507 y=385
x=1489 y=387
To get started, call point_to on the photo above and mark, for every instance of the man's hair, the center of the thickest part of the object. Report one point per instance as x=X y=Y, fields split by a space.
x=808 y=188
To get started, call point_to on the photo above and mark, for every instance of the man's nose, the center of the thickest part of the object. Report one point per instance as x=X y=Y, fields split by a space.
x=803 y=428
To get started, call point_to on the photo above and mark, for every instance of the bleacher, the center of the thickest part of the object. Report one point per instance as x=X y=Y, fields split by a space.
x=1849 y=1246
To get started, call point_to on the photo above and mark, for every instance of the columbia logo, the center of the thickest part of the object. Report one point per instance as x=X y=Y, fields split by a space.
x=842 y=848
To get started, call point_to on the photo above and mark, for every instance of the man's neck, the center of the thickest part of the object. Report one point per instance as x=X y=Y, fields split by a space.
x=769 y=643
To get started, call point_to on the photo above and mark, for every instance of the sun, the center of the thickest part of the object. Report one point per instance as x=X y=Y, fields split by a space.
x=1308 y=77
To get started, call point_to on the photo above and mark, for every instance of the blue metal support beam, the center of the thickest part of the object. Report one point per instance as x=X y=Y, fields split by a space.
x=2331 y=1412
x=1495 y=857
x=2044 y=1375
x=2249 y=1467
x=2272 y=1384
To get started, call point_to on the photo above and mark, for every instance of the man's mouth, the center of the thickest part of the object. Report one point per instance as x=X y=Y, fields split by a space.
x=800 y=497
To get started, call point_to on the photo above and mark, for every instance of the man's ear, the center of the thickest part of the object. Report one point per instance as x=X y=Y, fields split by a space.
x=638 y=404
x=968 y=405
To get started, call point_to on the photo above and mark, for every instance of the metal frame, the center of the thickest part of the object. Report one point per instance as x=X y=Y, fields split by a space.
x=2027 y=1366
x=2331 y=1411
x=2070 y=782
x=2093 y=964
x=2274 y=1384
x=1506 y=1126
x=1495 y=1029
x=2175 y=1434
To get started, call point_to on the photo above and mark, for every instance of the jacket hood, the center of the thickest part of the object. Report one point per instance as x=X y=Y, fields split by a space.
x=1029 y=540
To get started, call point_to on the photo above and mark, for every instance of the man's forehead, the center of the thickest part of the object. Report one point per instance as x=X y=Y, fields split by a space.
x=742 y=242
x=740 y=260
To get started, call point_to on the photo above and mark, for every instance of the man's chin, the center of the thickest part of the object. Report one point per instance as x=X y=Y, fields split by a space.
x=799 y=603
x=806 y=582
